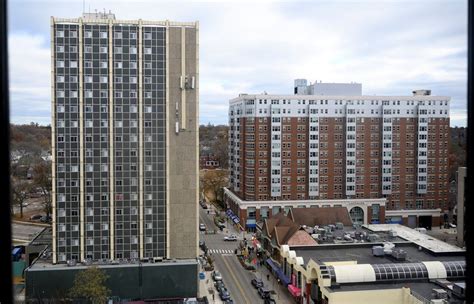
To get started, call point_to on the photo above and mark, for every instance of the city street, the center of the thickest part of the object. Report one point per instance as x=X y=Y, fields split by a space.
x=236 y=278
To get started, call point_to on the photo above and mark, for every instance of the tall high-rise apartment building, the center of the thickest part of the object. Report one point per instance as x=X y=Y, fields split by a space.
x=383 y=157
x=124 y=138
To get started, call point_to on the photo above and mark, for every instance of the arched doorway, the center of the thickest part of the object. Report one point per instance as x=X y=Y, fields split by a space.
x=357 y=215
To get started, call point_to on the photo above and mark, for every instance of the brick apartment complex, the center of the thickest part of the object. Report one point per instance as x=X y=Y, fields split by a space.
x=385 y=158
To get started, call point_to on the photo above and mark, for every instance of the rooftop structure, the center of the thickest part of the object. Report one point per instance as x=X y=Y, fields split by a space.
x=388 y=269
x=327 y=88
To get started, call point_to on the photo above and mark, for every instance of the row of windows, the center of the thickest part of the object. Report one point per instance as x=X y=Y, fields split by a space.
x=104 y=50
x=102 y=35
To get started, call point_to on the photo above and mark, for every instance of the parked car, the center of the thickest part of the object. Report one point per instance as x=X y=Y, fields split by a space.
x=216 y=276
x=203 y=205
x=269 y=301
x=36 y=217
x=229 y=301
x=257 y=283
x=224 y=294
x=231 y=238
x=46 y=219
x=202 y=227
x=220 y=225
x=219 y=285
x=263 y=292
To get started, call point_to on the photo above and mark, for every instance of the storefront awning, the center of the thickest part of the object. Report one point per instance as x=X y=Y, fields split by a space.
x=283 y=278
x=272 y=265
x=295 y=291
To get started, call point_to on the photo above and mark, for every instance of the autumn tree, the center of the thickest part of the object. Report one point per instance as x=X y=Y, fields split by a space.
x=89 y=284
x=213 y=181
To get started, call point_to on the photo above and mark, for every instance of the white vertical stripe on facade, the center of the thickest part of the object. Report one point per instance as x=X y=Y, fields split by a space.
x=313 y=149
x=167 y=25
x=351 y=149
x=275 y=174
x=387 y=128
x=111 y=144
x=422 y=149
x=81 y=140
x=53 y=142
x=140 y=135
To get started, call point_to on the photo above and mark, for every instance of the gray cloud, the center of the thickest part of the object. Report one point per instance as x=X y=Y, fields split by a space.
x=392 y=47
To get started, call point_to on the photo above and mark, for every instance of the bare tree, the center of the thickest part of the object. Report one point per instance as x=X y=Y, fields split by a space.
x=42 y=180
x=20 y=191
x=220 y=148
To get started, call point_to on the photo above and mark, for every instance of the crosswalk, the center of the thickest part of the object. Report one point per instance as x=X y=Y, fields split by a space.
x=221 y=251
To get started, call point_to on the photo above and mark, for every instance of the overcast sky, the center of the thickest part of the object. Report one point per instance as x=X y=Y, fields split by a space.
x=391 y=47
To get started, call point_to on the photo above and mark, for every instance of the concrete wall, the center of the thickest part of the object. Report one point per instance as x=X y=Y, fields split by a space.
x=183 y=162
x=150 y=281
x=461 y=177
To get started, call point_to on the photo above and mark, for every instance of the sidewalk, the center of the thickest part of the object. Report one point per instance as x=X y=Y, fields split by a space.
x=206 y=288
x=282 y=295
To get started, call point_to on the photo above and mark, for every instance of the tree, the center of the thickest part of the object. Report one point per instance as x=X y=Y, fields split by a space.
x=42 y=180
x=220 y=148
x=20 y=191
x=90 y=284
x=212 y=181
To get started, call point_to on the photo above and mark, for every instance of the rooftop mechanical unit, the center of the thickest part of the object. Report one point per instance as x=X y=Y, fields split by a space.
x=377 y=251
x=399 y=254
x=439 y=293
x=339 y=225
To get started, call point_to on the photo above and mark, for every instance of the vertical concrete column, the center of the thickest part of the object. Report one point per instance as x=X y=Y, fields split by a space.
x=140 y=135
x=111 y=139
x=81 y=140
x=53 y=142
x=168 y=130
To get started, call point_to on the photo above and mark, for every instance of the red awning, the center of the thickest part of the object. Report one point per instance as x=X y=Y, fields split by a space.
x=295 y=291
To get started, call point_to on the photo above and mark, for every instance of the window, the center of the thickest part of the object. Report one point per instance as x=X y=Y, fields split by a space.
x=133 y=35
x=73 y=64
x=133 y=50
x=87 y=34
x=118 y=50
x=60 y=49
x=73 y=49
x=103 y=35
x=118 y=65
x=118 y=35
x=60 y=64
x=133 y=64
x=60 y=34
x=147 y=36
x=103 y=50
x=103 y=64
x=88 y=49
x=148 y=51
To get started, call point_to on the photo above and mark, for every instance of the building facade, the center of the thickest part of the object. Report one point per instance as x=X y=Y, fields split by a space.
x=314 y=148
x=124 y=138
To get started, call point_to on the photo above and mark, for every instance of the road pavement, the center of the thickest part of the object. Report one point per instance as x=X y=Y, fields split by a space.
x=236 y=278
